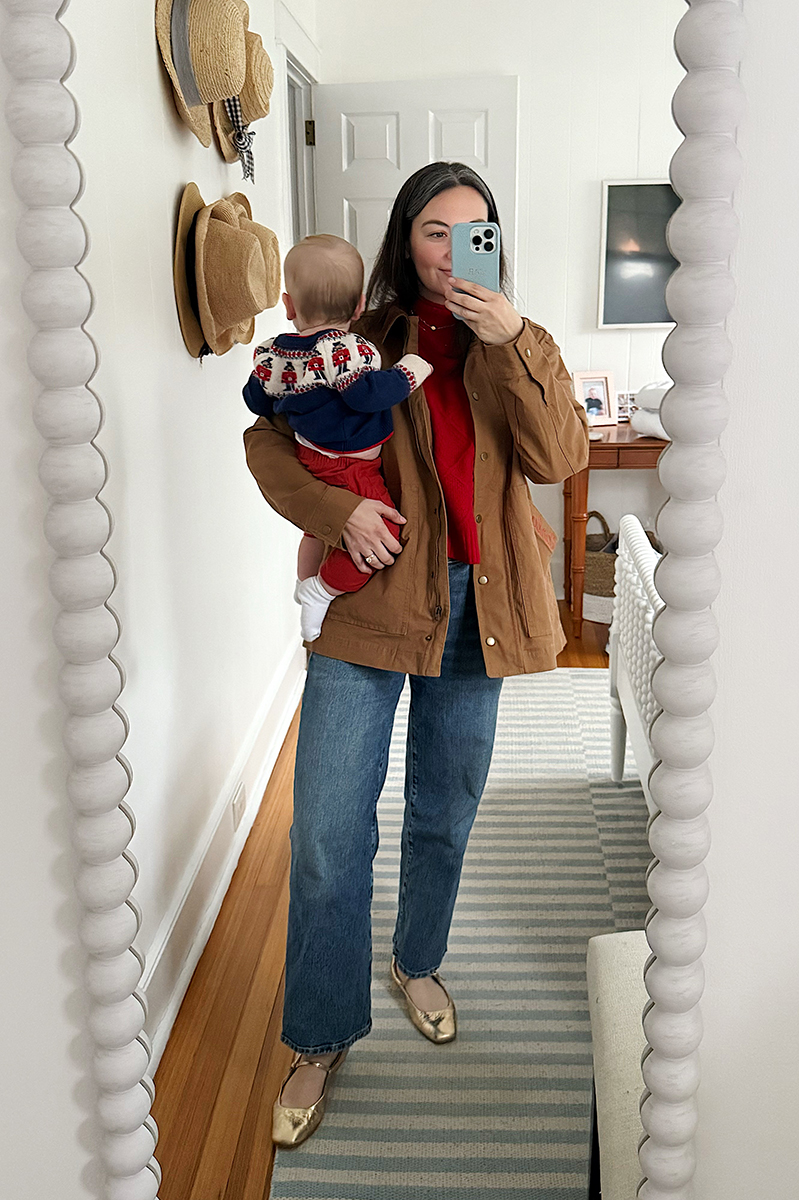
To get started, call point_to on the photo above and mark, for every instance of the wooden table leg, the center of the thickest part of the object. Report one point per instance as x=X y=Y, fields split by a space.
x=579 y=520
x=567 y=541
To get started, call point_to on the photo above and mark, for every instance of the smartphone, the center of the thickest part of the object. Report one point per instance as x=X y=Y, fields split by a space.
x=475 y=253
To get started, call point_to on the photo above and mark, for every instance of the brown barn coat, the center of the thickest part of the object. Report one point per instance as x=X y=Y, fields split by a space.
x=527 y=425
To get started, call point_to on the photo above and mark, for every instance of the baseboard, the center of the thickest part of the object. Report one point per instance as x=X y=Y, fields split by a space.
x=186 y=927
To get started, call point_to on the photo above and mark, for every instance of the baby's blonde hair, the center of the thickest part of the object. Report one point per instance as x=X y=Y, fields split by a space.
x=324 y=277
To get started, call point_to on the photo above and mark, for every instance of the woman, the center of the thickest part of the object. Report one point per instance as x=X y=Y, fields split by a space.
x=467 y=600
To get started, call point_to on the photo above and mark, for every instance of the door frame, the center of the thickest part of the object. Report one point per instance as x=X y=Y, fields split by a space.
x=299 y=109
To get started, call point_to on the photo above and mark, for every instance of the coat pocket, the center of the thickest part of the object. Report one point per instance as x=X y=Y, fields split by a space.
x=531 y=542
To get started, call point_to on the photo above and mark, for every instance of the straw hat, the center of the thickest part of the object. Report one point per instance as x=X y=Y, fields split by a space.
x=226 y=271
x=202 y=45
x=254 y=96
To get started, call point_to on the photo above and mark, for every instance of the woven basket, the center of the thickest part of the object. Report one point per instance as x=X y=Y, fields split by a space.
x=600 y=568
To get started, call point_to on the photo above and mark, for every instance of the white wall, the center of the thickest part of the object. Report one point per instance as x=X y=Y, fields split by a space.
x=210 y=633
x=596 y=82
x=749 y=1096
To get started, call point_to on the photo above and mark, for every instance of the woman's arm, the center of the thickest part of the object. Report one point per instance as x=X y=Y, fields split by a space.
x=290 y=489
x=550 y=429
x=334 y=515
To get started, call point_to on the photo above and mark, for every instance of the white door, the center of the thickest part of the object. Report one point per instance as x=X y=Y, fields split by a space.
x=371 y=136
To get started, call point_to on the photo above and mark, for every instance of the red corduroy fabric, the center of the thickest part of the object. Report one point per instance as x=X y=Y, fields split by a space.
x=452 y=424
x=363 y=476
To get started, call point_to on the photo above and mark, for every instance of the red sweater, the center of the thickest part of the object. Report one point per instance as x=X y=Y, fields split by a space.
x=452 y=424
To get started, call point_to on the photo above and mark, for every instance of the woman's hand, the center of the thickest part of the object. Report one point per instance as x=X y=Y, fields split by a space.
x=366 y=534
x=488 y=314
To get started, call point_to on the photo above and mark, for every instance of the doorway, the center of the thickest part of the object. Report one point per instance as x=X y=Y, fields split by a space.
x=301 y=148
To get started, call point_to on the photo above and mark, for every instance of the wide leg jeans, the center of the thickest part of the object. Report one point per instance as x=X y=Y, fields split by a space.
x=342 y=757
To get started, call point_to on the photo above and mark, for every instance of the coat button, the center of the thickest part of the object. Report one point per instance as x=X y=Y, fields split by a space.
x=483 y=456
x=491 y=641
x=325 y=529
x=528 y=352
x=428 y=637
x=478 y=518
x=483 y=579
x=475 y=396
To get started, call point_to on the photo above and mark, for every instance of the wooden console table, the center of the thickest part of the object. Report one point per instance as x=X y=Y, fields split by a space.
x=623 y=449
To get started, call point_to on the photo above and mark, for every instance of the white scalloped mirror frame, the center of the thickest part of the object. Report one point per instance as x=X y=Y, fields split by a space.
x=43 y=117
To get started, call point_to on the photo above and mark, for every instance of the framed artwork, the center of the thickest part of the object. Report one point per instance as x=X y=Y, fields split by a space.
x=594 y=390
x=635 y=261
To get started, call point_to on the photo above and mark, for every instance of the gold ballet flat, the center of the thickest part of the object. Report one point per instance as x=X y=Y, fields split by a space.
x=438 y=1027
x=292 y=1126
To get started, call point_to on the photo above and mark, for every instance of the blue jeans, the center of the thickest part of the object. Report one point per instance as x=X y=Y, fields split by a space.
x=342 y=757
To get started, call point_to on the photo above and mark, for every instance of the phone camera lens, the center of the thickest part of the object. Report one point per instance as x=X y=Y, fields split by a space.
x=489 y=246
x=476 y=241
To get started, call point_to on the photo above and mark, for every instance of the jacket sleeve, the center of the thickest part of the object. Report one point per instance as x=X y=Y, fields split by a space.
x=291 y=490
x=550 y=428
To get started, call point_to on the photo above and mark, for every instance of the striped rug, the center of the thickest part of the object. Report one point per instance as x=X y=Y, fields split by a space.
x=557 y=854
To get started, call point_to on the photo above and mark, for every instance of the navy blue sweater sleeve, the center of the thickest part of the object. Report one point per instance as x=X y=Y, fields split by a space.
x=257 y=399
x=375 y=391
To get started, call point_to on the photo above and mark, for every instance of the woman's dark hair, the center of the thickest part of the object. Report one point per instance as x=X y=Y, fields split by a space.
x=393 y=278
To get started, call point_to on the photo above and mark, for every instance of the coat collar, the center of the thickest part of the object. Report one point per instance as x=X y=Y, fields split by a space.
x=378 y=323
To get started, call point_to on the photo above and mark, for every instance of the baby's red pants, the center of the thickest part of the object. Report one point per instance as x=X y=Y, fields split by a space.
x=364 y=477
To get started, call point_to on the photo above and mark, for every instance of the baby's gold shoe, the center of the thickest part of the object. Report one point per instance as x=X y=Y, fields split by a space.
x=438 y=1027
x=292 y=1126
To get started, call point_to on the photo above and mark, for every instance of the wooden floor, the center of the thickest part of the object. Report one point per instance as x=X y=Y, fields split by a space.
x=220 y=1072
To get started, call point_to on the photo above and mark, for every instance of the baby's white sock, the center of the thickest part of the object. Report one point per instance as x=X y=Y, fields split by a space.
x=314 y=601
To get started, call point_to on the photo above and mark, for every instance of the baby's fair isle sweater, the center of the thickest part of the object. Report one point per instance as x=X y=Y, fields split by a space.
x=330 y=388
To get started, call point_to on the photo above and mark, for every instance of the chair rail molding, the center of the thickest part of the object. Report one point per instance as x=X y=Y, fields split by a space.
x=43 y=117
x=708 y=106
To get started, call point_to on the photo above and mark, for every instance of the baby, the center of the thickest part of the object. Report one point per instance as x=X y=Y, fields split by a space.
x=328 y=384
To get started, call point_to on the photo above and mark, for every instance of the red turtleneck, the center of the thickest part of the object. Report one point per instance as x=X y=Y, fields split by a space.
x=452 y=424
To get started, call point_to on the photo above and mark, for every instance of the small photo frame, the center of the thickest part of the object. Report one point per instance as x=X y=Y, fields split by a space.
x=594 y=390
x=625 y=405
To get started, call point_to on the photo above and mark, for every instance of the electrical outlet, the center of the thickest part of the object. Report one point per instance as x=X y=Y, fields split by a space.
x=238 y=804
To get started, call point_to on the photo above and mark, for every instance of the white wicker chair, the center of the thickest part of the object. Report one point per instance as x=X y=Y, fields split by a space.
x=633 y=654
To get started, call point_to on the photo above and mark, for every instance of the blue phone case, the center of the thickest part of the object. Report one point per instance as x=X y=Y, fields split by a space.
x=475 y=253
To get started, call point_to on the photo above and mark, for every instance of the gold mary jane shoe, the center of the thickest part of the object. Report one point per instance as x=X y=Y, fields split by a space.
x=438 y=1027
x=292 y=1126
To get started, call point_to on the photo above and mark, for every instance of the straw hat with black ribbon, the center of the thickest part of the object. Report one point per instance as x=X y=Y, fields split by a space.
x=213 y=60
x=203 y=48
x=226 y=271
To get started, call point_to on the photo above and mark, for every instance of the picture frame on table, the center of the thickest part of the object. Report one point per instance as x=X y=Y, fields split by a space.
x=594 y=390
x=625 y=405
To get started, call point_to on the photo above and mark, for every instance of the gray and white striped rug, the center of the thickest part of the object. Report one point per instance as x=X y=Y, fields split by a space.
x=557 y=854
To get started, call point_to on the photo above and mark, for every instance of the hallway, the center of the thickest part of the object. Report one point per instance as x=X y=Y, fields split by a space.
x=224 y=1062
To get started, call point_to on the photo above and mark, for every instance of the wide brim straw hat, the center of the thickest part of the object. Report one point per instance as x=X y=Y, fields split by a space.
x=254 y=96
x=203 y=49
x=226 y=270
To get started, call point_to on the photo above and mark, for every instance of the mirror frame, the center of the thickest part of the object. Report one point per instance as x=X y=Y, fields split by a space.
x=702 y=234
x=43 y=116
